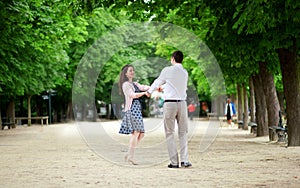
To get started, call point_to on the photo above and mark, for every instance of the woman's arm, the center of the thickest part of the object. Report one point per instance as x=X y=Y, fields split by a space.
x=128 y=91
x=142 y=87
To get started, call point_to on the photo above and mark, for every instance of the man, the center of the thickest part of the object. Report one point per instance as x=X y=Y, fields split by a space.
x=175 y=80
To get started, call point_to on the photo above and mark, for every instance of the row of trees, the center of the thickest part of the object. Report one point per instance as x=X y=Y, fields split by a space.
x=255 y=44
x=262 y=38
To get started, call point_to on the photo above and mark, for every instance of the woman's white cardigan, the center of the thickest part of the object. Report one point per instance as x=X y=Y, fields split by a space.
x=129 y=93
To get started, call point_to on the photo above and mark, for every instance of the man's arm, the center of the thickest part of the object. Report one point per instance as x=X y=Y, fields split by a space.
x=157 y=83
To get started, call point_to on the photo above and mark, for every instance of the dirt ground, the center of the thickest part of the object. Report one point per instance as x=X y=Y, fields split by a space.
x=67 y=155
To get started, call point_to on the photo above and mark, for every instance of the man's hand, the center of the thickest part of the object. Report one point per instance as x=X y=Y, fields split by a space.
x=147 y=94
x=160 y=89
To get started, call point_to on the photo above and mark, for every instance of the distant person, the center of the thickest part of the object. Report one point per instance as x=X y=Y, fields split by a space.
x=191 y=109
x=175 y=78
x=229 y=111
x=204 y=107
x=132 y=122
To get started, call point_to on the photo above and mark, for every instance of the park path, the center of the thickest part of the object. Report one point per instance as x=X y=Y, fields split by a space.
x=61 y=155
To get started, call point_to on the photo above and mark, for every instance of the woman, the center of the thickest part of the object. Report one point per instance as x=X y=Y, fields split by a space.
x=229 y=111
x=132 y=122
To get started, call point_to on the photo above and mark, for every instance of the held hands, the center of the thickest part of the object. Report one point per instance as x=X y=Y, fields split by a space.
x=144 y=93
x=147 y=94
x=160 y=89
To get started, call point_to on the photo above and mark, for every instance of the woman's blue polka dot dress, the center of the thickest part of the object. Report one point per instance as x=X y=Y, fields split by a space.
x=133 y=119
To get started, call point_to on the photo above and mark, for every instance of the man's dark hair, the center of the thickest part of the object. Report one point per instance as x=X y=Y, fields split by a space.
x=178 y=56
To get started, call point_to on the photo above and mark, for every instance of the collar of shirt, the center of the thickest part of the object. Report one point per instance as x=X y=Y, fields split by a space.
x=178 y=65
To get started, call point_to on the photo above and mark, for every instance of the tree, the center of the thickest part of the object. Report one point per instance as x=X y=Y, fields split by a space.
x=35 y=59
x=252 y=101
x=270 y=95
x=278 y=23
x=261 y=109
x=246 y=108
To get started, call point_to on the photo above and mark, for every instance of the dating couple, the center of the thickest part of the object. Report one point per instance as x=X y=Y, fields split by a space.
x=175 y=79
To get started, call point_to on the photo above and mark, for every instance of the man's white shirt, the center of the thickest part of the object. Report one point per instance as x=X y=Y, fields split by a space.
x=175 y=80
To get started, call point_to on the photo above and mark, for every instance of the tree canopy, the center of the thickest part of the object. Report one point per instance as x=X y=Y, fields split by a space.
x=44 y=44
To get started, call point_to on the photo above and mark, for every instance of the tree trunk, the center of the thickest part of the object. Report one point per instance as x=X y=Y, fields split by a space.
x=63 y=107
x=0 y=111
x=214 y=106
x=39 y=107
x=22 y=111
x=13 y=113
x=221 y=105
x=29 y=110
x=10 y=113
x=271 y=96
x=55 y=116
x=246 y=116
x=291 y=83
x=69 y=115
x=261 y=108
x=252 y=101
x=281 y=101
x=233 y=98
x=240 y=102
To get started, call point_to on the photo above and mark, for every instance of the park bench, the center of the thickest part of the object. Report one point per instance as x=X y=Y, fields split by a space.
x=240 y=124
x=209 y=115
x=253 y=127
x=6 y=121
x=41 y=118
x=278 y=133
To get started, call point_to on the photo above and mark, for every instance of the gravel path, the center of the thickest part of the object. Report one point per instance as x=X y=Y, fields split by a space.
x=91 y=155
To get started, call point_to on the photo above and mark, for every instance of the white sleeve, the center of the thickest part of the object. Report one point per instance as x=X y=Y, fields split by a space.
x=158 y=81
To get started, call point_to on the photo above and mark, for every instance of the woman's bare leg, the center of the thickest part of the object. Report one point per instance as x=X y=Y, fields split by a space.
x=140 y=137
x=132 y=145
